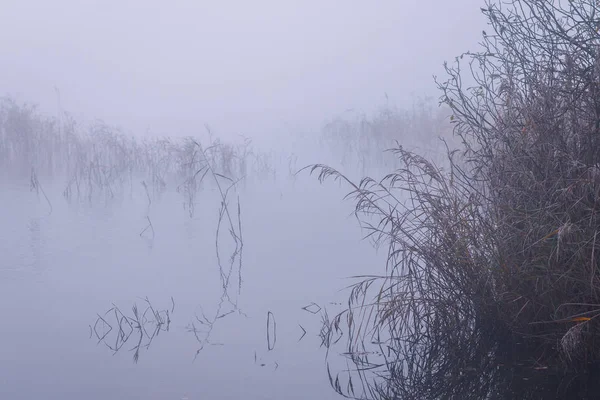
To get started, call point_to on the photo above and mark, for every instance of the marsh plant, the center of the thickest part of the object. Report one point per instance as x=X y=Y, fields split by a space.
x=492 y=284
x=115 y=329
x=100 y=161
x=361 y=140
x=230 y=268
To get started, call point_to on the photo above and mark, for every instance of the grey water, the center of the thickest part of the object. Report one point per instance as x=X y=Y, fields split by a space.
x=62 y=267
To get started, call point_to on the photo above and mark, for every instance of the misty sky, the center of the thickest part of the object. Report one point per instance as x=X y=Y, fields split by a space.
x=247 y=67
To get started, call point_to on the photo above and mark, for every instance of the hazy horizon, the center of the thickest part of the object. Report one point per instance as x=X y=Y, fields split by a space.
x=262 y=69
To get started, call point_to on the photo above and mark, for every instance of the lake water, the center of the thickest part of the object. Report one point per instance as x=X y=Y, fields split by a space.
x=59 y=270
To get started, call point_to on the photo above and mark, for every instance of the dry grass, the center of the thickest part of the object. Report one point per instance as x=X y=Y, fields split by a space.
x=492 y=283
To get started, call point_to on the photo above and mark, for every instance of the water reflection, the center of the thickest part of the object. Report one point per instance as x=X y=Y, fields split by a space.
x=114 y=328
x=99 y=258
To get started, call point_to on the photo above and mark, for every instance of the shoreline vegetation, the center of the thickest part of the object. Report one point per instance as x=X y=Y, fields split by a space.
x=492 y=286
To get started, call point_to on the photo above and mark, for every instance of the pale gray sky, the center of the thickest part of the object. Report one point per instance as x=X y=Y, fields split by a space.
x=241 y=66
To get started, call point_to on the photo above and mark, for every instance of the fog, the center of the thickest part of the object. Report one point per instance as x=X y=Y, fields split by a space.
x=103 y=222
x=261 y=68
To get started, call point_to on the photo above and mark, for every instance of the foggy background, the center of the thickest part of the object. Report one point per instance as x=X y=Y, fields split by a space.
x=259 y=68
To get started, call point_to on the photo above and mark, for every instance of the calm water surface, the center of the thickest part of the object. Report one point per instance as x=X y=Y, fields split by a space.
x=59 y=270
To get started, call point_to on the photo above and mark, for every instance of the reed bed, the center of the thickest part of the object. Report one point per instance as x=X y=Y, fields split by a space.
x=360 y=140
x=492 y=284
x=101 y=161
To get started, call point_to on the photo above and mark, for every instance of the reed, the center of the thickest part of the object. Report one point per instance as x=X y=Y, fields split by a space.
x=141 y=326
x=100 y=161
x=491 y=288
